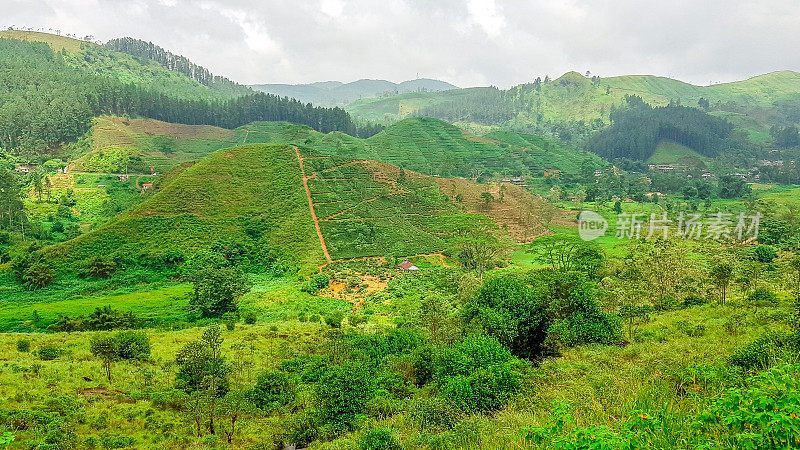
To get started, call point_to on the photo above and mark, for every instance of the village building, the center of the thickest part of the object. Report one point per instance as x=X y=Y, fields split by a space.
x=408 y=265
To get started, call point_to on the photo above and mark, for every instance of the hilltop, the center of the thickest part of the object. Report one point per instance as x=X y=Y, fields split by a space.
x=335 y=93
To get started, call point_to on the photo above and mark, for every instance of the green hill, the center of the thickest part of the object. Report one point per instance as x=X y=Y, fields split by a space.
x=434 y=147
x=577 y=104
x=669 y=152
x=51 y=87
x=364 y=208
x=214 y=199
x=423 y=145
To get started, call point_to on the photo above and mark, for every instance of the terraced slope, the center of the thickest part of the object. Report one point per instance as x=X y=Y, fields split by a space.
x=364 y=208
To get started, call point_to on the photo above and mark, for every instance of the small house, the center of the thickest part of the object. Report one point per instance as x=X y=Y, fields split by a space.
x=146 y=186
x=407 y=265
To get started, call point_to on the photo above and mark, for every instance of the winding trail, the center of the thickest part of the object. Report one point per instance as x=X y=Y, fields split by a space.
x=311 y=205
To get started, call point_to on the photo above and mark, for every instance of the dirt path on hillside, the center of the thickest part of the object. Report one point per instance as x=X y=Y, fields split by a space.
x=311 y=205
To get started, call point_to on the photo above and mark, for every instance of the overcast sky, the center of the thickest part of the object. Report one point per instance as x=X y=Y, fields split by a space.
x=465 y=42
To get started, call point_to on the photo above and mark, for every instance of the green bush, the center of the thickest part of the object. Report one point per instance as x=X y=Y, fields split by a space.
x=99 y=267
x=49 y=352
x=760 y=415
x=249 y=317
x=762 y=297
x=316 y=282
x=342 y=393
x=478 y=374
x=694 y=300
x=229 y=319
x=132 y=345
x=272 y=390
x=764 y=351
x=334 y=319
x=764 y=254
x=378 y=439
x=216 y=291
x=23 y=345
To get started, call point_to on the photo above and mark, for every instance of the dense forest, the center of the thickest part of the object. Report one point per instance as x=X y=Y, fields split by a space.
x=637 y=128
x=47 y=102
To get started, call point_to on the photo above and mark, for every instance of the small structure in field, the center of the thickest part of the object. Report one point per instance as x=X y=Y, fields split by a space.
x=146 y=186
x=25 y=168
x=407 y=265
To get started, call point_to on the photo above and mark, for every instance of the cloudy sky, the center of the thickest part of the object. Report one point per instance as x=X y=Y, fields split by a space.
x=465 y=42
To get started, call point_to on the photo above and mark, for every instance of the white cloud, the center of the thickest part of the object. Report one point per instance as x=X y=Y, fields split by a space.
x=467 y=42
x=485 y=14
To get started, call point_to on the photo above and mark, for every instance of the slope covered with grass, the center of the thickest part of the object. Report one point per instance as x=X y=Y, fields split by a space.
x=215 y=199
x=434 y=147
x=364 y=208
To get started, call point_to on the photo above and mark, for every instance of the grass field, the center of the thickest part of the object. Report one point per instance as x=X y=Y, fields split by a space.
x=669 y=152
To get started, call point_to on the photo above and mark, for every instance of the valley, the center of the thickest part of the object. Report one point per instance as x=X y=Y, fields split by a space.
x=188 y=262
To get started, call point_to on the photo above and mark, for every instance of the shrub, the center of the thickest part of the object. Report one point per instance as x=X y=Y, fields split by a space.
x=378 y=439
x=216 y=291
x=760 y=414
x=229 y=319
x=249 y=317
x=693 y=300
x=316 y=282
x=342 y=393
x=764 y=351
x=762 y=297
x=272 y=390
x=764 y=254
x=478 y=374
x=49 y=352
x=39 y=275
x=132 y=345
x=334 y=319
x=302 y=430
x=23 y=345
x=99 y=267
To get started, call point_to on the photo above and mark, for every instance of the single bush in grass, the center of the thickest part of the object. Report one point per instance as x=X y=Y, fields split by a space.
x=378 y=439
x=123 y=345
x=99 y=267
x=216 y=291
x=49 y=352
x=316 y=282
x=23 y=345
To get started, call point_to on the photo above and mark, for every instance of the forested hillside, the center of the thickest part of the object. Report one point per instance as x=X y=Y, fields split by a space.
x=638 y=128
x=50 y=98
x=574 y=105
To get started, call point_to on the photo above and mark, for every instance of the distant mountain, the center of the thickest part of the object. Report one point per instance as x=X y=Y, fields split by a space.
x=573 y=104
x=335 y=93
